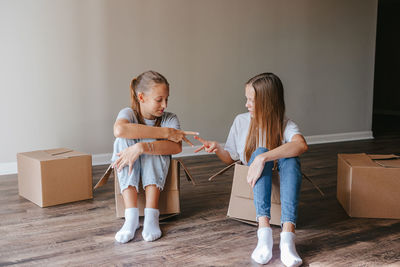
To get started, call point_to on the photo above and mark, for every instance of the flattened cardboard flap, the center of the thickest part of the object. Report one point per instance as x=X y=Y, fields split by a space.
x=374 y=161
x=58 y=151
x=239 y=163
x=189 y=177
x=104 y=179
x=387 y=161
x=223 y=170
x=53 y=154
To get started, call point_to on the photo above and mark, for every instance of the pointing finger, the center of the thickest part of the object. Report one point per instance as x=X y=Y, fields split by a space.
x=199 y=149
x=200 y=139
x=187 y=141
x=190 y=133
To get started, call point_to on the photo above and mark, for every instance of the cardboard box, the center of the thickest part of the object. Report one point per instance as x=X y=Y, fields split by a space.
x=169 y=202
x=369 y=185
x=241 y=203
x=56 y=176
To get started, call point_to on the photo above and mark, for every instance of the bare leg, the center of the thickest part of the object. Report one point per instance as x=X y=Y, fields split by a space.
x=263 y=222
x=130 y=197
x=152 y=196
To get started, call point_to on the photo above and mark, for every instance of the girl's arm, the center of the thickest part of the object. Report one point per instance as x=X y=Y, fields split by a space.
x=129 y=155
x=294 y=148
x=212 y=146
x=124 y=129
x=162 y=147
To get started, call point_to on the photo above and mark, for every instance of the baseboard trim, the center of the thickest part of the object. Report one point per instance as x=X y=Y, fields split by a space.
x=102 y=159
x=339 y=137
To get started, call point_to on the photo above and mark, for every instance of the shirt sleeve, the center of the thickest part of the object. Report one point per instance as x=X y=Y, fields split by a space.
x=127 y=114
x=171 y=121
x=291 y=129
x=231 y=142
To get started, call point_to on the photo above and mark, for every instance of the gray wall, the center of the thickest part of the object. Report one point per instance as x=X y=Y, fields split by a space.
x=66 y=65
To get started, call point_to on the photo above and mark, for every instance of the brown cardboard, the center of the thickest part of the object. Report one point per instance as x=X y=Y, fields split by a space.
x=56 y=176
x=169 y=202
x=241 y=204
x=369 y=185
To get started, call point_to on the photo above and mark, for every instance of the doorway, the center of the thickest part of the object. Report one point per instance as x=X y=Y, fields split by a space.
x=386 y=104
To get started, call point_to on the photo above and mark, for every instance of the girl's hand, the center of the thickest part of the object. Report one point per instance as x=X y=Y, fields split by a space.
x=255 y=170
x=128 y=156
x=177 y=136
x=208 y=146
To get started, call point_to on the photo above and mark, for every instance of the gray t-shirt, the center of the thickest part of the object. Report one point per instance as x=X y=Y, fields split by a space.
x=168 y=119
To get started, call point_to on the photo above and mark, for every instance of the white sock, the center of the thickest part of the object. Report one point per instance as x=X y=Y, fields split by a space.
x=151 y=227
x=127 y=232
x=263 y=252
x=289 y=255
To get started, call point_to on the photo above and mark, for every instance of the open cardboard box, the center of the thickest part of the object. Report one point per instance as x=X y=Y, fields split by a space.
x=55 y=176
x=169 y=202
x=369 y=185
x=241 y=203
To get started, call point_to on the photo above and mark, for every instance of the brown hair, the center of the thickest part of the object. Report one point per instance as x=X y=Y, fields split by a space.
x=141 y=84
x=269 y=113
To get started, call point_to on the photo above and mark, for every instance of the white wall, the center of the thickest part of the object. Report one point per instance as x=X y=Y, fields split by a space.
x=66 y=65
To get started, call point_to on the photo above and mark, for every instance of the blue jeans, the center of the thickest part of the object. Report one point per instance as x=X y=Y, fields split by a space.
x=290 y=182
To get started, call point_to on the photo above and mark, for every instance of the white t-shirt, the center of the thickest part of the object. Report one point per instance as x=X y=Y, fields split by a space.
x=237 y=135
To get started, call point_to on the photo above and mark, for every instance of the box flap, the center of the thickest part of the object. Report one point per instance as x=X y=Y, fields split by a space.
x=189 y=177
x=254 y=223
x=358 y=160
x=387 y=161
x=223 y=170
x=314 y=184
x=53 y=154
x=240 y=187
x=58 y=151
x=364 y=160
x=104 y=179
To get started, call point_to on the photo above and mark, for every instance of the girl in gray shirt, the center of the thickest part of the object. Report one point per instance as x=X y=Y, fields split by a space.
x=146 y=137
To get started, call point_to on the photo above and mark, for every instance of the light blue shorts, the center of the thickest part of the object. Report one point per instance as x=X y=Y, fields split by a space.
x=153 y=169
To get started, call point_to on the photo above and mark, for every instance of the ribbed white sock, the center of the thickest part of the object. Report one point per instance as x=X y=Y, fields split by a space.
x=263 y=252
x=289 y=255
x=127 y=232
x=151 y=227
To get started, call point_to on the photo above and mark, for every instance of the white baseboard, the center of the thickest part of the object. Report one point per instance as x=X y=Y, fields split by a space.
x=339 y=137
x=102 y=159
x=8 y=168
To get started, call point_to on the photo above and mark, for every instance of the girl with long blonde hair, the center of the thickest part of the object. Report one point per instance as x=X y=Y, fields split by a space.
x=258 y=138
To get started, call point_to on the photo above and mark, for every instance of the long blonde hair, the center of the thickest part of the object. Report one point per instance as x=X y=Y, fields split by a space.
x=141 y=84
x=266 y=127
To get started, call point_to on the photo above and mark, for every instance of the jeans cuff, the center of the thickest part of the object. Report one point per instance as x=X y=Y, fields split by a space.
x=289 y=221
x=129 y=185
x=262 y=215
x=151 y=183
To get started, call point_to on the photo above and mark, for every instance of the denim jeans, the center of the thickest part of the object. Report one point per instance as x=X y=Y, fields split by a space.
x=290 y=182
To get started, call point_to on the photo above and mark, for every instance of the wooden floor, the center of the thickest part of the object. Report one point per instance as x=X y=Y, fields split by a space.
x=82 y=233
